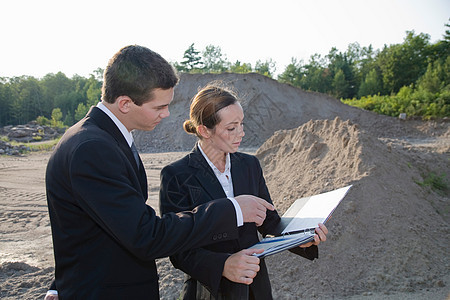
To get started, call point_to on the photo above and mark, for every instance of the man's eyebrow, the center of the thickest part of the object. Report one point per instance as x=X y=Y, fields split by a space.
x=162 y=105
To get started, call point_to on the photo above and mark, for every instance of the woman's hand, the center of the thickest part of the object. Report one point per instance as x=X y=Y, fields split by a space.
x=242 y=266
x=320 y=236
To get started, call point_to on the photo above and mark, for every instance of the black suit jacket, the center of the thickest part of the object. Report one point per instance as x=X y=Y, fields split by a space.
x=105 y=237
x=190 y=182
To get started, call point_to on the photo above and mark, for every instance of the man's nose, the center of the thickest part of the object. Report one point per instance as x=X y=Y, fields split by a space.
x=165 y=114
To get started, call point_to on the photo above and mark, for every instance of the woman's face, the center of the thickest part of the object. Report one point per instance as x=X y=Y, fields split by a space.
x=229 y=132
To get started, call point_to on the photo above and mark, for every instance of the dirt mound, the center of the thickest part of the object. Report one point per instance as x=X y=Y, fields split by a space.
x=19 y=278
x=386 y=236
x=268 y=106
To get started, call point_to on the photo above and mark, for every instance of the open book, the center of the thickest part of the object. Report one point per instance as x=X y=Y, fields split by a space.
x=298 y=223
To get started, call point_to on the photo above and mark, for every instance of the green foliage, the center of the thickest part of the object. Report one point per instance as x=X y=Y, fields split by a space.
x=43 y=121
x=266 y=68
x=437 y=182
x=239 y=67
x=80 y=112
x=192 y=59
x=25 y=98
x=426 y=80
x=412 y=102
x=213 y=60
x=340 y=85
x=370 y=85
x=56 y=118
x=42 y=146
x=403 y=64
x=293 y=74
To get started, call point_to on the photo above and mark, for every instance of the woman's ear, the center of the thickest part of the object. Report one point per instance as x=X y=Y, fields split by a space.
x=124 y=104
x=204 y=131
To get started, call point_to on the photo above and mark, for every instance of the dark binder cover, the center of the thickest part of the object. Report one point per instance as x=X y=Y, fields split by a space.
x=298 y=223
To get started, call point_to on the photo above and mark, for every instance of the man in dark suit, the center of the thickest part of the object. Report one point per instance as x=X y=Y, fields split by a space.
x=105 y=237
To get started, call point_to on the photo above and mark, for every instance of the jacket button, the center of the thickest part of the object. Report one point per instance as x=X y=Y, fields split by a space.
x=219 y=236
x=214 y=237
x=225 y=235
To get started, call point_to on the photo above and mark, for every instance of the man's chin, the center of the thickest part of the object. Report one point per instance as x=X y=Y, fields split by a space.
x=150 y=128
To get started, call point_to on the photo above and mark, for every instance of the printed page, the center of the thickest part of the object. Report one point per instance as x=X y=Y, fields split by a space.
x=307 y=213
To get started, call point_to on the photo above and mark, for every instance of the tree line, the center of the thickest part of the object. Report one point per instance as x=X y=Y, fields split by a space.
x=412 y=77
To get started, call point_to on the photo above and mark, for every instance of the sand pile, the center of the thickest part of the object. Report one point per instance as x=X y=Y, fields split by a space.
x=385 y=235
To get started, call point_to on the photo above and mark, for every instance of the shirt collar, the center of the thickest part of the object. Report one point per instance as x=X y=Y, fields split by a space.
x=126 y=134
x=227 y=161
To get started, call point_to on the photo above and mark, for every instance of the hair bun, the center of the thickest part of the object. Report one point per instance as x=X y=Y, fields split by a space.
x=189 y=127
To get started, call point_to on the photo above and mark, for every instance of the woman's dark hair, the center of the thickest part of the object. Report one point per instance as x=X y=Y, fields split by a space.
x=135 y=71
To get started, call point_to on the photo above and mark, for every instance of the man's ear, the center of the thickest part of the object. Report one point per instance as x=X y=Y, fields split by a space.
x=124 y=104
x=204 y=131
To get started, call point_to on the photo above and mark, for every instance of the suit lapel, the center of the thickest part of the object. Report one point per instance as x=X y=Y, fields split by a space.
x=105 y=123
x=205 y=175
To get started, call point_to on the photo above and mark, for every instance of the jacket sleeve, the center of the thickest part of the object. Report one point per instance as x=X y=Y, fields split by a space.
x=107 y=188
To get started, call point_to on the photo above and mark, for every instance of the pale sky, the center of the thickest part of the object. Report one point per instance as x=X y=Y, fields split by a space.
x=76 y=37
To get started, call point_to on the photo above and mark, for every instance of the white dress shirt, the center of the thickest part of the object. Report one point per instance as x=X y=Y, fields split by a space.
x=226 y=182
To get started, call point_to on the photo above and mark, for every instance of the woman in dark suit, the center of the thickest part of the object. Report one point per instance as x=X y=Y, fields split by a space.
x=215 y=169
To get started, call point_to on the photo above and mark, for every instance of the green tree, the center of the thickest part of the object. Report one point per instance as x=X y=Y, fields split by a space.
x=80 y=112
x=239 y=67
x=340 y=85
x=403 y=64
x=93 y=92
x=431 y=80
x=98 y=75
x=31 y=99
x=5 y=102
x=23 y=96
x=266 y=68
x=343 y=62
x=370 y=85
x=293 y=74
x=213 y=60
x=192 y=59
x=317 y=75
x=56 y=118
x=53 y=86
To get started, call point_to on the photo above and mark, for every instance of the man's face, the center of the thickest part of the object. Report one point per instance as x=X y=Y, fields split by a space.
x=149 y=114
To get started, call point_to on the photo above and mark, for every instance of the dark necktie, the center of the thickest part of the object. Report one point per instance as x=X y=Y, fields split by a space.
x=135 y=154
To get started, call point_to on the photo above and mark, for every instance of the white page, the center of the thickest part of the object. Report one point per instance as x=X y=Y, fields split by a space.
x=316 y=210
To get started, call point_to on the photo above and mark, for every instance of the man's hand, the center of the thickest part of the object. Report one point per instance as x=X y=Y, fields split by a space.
x=320 y=236
x=253 y=208
x=51 y=297
x=242 y=266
